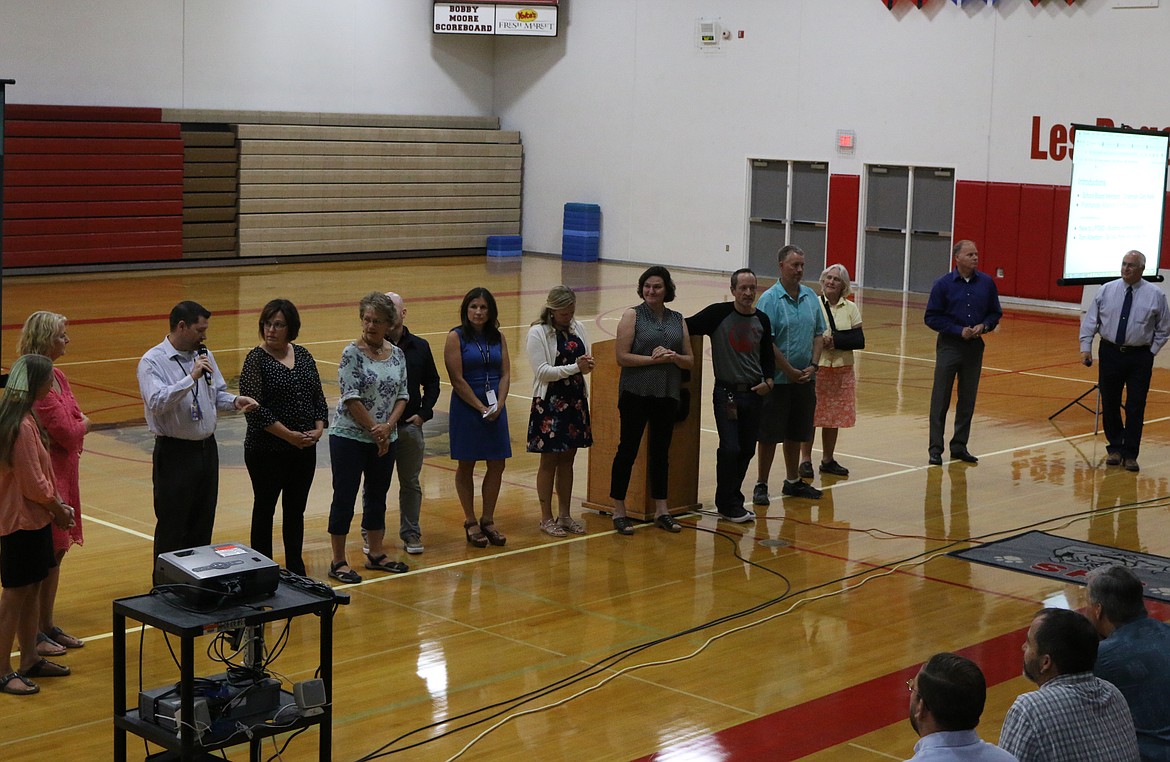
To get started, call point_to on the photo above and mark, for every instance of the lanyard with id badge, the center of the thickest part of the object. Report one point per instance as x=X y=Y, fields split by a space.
x=489 y=393
x=196 y=411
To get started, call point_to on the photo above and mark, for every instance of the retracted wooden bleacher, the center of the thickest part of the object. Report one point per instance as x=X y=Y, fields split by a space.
x=358 y=183
x=103 y=185
x=89 y=185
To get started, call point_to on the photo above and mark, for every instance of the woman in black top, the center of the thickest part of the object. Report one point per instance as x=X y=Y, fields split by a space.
x=280 y=448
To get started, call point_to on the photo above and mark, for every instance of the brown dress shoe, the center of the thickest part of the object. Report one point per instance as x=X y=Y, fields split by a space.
x=1113 y=459
x=1131 y=464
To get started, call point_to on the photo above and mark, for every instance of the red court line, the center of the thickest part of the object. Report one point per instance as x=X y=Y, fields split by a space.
x=852 y=712
x=831 y=720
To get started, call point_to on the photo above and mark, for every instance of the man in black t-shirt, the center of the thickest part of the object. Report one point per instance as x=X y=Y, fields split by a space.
x=741 y=355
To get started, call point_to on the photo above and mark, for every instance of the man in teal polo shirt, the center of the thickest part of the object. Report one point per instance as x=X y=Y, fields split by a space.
x=797 y=325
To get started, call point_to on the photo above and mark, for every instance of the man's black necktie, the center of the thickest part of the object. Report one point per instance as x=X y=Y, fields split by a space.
x=1124 y=319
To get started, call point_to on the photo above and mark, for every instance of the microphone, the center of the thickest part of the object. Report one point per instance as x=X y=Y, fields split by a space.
x=202 y=352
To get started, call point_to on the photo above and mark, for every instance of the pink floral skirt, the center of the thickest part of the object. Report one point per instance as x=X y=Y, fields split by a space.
x=836 y=398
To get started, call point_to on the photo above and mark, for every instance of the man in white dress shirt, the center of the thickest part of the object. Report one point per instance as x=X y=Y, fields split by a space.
x=1134 y=322
x=183 y=390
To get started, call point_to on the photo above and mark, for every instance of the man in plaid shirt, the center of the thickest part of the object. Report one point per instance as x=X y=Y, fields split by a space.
x=1074 y=716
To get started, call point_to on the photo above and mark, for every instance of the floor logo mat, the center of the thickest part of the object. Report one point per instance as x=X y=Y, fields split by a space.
x=1047 y=555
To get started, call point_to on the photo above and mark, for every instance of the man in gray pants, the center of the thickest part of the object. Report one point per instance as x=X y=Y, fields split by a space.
x=963 y=306
x=422 y=381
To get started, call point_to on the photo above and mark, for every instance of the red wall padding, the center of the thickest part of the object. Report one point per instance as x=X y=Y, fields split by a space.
x=1022 y=228
x=1165 y=231
x=91 y=185
x=844 y=210
x=1037 y=273
x=1059 y=238
x=999 y=249
x=970 y=211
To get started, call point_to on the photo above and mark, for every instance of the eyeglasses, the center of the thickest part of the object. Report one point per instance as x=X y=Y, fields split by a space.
x=910 y=685
x=275 y=325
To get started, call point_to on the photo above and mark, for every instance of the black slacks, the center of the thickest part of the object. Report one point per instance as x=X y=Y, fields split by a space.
x=186 y=488
x=1129 y=370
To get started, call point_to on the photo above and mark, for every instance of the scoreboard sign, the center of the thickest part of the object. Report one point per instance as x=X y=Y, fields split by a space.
x=538 y=19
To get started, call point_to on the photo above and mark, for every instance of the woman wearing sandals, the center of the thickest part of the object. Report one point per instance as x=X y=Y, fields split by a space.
x=653 y=348
x=44 y=333
x=280 y=447
x=558 y=423
x=372 y=377
x=28 y=503
x=476 y=356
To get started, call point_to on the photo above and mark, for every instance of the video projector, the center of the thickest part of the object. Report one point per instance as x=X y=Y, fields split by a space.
x=224 y=573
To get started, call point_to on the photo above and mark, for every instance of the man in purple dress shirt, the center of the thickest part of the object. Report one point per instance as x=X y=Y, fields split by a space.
x=963 y=306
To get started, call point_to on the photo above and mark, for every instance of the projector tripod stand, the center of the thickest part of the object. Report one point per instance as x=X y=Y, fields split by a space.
x=1079 y=401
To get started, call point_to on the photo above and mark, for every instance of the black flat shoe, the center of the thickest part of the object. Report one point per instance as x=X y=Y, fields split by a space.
x=622 y=525
x=667 y=522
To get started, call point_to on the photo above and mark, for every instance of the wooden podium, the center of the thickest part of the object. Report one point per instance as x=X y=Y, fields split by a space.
x=683 y=489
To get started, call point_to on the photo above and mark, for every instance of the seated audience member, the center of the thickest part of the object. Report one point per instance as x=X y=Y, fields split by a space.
x=1074 y=716
x=946 y=700
x=1134 y=655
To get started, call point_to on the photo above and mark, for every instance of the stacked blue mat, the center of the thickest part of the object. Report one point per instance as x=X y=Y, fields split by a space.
x=581 y=236
x=504 y=245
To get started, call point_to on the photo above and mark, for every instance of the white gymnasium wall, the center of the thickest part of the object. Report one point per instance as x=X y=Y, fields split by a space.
x=624 y=111
x=361 y=56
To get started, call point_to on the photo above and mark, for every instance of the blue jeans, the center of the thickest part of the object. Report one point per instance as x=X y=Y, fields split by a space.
x=737 y=443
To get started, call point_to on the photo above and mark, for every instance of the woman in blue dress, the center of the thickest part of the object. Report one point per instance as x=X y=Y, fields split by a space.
x=476 y=356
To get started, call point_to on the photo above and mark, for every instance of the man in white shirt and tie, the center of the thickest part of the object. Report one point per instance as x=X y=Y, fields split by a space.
x=1134 y=322
x=183 y=391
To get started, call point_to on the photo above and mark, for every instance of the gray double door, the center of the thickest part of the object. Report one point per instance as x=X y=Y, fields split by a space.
x=789 y=204
x=909 y=213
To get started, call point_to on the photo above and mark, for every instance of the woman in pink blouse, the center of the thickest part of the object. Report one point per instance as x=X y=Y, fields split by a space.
x=28 y=503
x=44 y=333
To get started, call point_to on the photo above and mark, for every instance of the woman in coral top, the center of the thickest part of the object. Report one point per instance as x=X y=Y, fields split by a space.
x=28 y=503
x=44 y=333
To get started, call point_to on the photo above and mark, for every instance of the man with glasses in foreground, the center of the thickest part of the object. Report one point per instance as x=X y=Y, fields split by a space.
x=946 y=701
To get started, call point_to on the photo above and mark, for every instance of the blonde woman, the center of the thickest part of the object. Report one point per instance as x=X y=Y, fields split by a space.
x=836 y=384
x=558 y=423
x=45 y=333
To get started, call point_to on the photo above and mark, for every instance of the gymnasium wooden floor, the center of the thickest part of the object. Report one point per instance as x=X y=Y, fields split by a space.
x=789 y=638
